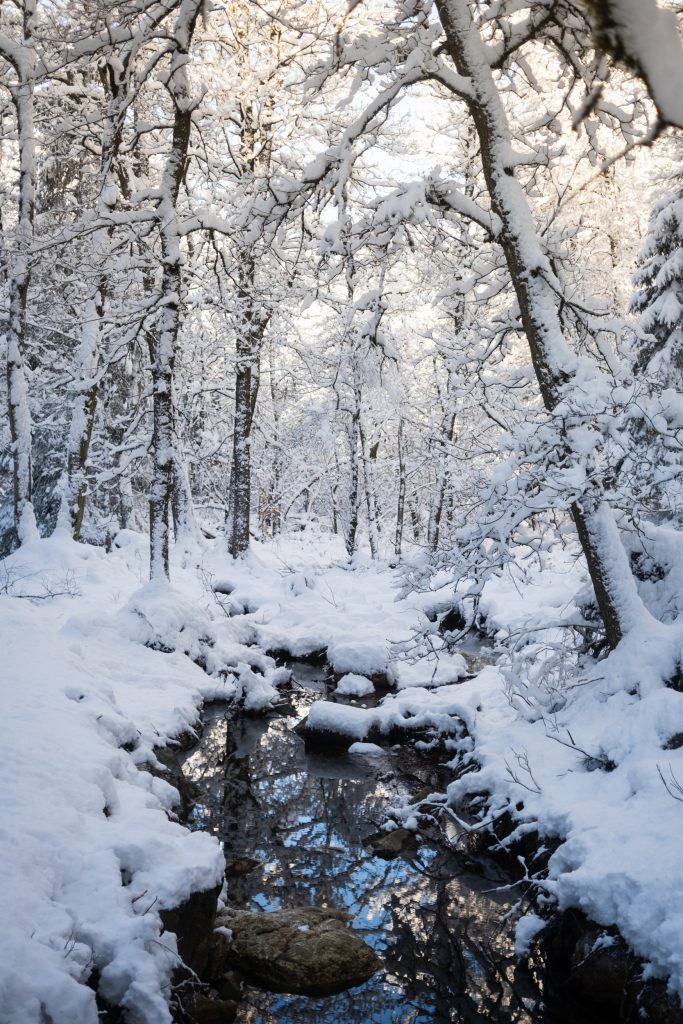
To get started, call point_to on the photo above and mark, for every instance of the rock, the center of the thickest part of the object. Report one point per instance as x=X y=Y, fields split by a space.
x=423 y=795
x=241 y=866
x=204 y=1009
x=600 y=974
x=591 y=966
x=219 y=958
x=285 y=709
x=308 y=951
x=231 y=985
x=391 y=844
x=192 y=923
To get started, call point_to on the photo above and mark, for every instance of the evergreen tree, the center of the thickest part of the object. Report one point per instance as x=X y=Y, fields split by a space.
x=659 y=290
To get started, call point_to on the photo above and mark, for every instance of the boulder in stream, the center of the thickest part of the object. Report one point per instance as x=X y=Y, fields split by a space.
x=240 y=866
x=201 y=1008
x=308 y=951
x=392 y=844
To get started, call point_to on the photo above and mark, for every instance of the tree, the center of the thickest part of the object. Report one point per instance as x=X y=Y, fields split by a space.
x=20 y=57
x=644 y=37
x=658 y=298
x=163 y=335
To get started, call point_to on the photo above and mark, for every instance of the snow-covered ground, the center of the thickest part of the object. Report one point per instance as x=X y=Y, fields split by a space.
x=592 y=755
x=595 y=758
x=90 y=854
x=98 y=668
x=303 y=597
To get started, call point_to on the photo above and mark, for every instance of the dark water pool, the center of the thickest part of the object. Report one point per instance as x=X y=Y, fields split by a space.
x=439 y=929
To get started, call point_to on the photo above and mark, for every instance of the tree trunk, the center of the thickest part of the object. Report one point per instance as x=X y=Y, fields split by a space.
x=251 y=332
x=354 y=490
x=400 y=507
x=17 y=388
x=442 y=466
x=370 y=499
x=182 y=507
x=90 y=360
x=529 y=270
x=240 y=478
x=414 y=520
x=72 y=508
x=252 y=324
x=164 y=336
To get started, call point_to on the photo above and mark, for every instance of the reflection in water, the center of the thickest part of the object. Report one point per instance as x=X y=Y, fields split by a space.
x=304 y=818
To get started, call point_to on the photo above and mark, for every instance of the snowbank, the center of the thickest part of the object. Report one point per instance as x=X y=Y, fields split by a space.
x=591 y=754
x=89 y=853
x=438 y=712
x=302 y=596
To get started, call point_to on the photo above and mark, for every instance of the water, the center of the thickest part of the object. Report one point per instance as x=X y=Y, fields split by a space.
x=438 y=927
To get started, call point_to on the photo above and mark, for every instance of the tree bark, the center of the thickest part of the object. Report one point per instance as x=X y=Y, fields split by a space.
x=354 y=490
x=163 y=338
x=72 y=508
x=442 y=466
x=400 y=505
x=19 y=413
x=251 y=327
x=240 y=477
x=367 y=456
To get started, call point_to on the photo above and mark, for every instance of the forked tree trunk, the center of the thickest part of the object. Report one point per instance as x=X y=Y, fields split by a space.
x=553 y=362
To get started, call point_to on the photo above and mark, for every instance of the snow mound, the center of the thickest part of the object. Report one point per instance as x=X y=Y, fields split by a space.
x=437 y=670
x=368 y=749
x=353 y=685
x=360 y=658
x=593 y=760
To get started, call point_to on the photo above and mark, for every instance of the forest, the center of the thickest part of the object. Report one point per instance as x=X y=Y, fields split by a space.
x=341 y=511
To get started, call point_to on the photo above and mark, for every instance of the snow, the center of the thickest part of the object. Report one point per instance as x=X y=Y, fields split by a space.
x=437 y=669
x=528 y=927
x=440 y=711
x=587 y=755
x=341 y=719
x=582 y=763
x=650 y=37
x=302 y=596
x=368 y=749
x=90 y=854
x=353 y=685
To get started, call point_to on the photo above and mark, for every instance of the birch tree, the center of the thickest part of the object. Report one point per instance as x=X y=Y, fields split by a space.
x=19 y=55
x=163 y=334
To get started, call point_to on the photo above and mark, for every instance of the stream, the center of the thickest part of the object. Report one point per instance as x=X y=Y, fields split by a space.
x=293 y=827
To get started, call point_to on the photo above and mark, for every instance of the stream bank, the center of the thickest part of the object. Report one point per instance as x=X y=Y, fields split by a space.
x=303 y=829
